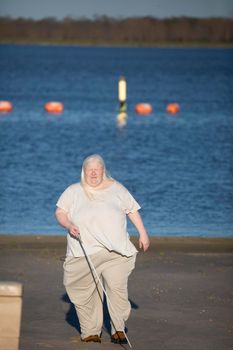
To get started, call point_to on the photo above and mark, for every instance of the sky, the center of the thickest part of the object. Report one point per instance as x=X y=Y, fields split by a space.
x=60 y=9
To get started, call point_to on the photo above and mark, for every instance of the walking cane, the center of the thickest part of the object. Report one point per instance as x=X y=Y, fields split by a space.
x=92 y=268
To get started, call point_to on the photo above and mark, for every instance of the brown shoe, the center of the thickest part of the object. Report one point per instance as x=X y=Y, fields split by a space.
x=95 y=338
x=119 y=338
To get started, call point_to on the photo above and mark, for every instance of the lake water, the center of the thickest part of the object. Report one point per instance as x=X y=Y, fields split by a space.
x=179 y=168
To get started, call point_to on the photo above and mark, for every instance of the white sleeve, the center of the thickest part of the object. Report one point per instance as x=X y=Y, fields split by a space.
x=66 y=199
x=128 y=203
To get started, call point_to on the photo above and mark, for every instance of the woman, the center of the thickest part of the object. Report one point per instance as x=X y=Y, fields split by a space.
x=96 y=209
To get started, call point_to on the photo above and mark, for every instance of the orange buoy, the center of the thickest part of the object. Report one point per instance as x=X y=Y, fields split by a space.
x=5 y=106
x=173 y=108
x=54 y=107
x=143 y=108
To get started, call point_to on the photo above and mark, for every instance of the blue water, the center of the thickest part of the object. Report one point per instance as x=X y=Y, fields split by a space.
x=178 y=168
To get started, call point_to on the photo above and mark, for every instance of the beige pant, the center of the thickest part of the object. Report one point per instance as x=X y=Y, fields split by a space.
x=114 y=270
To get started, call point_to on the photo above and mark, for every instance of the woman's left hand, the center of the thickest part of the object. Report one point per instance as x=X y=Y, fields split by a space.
x=144 y=242
x=136 y=219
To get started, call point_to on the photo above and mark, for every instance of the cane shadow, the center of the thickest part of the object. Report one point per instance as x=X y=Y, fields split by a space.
x=72 y=319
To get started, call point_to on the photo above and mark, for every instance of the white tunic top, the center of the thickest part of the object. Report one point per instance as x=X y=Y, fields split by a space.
x=101 y=220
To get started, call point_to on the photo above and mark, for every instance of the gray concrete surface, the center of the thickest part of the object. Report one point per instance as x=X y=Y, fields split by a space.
x=181 y=293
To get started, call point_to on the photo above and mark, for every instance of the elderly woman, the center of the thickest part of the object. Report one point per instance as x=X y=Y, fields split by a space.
x=96 y=209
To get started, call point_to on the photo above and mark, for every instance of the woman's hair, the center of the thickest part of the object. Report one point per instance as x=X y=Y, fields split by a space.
x=106 y=174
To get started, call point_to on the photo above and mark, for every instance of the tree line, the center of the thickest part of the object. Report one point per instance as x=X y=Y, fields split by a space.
x=129 y=31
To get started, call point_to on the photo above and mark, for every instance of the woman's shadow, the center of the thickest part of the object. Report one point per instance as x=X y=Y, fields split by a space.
x=72 y=319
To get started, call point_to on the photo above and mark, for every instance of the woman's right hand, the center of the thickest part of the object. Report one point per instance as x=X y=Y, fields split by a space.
x=73 y=230
x=62 y=218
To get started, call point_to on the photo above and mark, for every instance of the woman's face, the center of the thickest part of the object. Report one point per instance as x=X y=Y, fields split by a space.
x=93 y=173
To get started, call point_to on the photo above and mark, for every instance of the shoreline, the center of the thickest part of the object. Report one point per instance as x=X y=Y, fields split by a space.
x=159 y=45
x=179 y=244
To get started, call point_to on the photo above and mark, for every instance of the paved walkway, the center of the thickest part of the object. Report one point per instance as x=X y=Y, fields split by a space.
x=181 y=293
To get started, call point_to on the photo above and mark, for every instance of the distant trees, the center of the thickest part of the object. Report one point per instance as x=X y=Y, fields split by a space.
x=130 y=31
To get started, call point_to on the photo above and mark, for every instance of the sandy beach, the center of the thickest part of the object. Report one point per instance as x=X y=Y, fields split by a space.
x=181 y=293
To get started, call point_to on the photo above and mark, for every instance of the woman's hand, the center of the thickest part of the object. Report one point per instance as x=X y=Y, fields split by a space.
x=73 y=230
x=62 y=218
x=144 y=242
x=136 y=219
